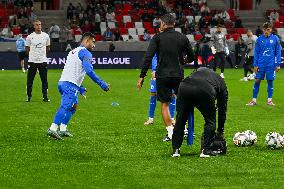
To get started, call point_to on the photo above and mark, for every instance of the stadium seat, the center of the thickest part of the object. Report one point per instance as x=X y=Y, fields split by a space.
x=111 y=25
x=178 y=30
x=190 y=19
x=277 y=25
x=129 y=25
x=235 y=36
x=135 y=37
x=151 y=30
x=127 y=7
x=240 y=30
x=190 y=37
x=123 y=31
x=228 y=36
x=147 y=24
x=132 y=31
x=16 y=31
x=126 y=19
x=197 y=37
x=103 y=25
x=118 y=18
x=135 y=18
x=244 y=36
x=103 y=30
x=125 y=37
x=138 y=25
x=141 y=37
x=98 y=37
x=197 y=18
x=140 y=31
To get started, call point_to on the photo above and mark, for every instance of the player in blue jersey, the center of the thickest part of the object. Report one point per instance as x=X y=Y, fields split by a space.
x=153 y=98
x=267 y=59
x=78 y=63
x=20 y=45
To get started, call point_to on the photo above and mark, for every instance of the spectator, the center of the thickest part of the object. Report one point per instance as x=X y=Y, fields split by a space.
x=13 y=21
x=70 y=10
x=236 y=4
x=258 y=31
x=238 y=23
x=136 y=5
x=86 y=27
x=22 y=14
x=54 y=33
x=111 y=47
x=117 y=36
x=146 y=17
x=274 y=16
x=110 y=16
x=156 y=22
x=77 y=33
x=68 y=34
x=108 y=35
x=225 y=16
x=240 y=51
x=205 y=11
x=146 y=36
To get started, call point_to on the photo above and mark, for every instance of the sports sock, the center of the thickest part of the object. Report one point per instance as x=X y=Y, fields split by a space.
x=270 y=89
x=53 y=127
x=255 y=89
x=63 y=127
x=152 y=106
x=170 y=130
x=172 y=107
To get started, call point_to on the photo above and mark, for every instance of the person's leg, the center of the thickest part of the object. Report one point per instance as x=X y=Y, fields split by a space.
x=43 y=77
x=270 y=76
x=222 y=62
x=172 y=107
x=152 y=107
x=215 y=62
x=30 y=79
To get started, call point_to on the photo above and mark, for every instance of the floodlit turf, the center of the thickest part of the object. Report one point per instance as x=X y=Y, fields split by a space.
x=111 y=147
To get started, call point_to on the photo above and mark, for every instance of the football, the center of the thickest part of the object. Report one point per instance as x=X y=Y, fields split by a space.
x=274 y=140
x=251 y=136
x=241 y=139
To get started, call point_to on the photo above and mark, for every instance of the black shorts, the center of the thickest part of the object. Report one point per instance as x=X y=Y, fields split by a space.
x=166 y=87
x=22 y=55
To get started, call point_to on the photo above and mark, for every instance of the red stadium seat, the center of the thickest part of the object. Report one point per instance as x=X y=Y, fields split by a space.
x=16 y=30
x=151 y=30
x=118 y=18
x=123 y=31
x=135 y=18
x=197 y=37
x=240 y=30
x=127 y=7
x=129 y=25
x=186 y=12
x=141 y=37
x=98 y=37
x=228 y=36
x=277 y=25
x=235 y=36
x=147 y=24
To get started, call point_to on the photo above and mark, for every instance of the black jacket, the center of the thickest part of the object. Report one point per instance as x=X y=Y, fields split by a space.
x=170 y=46
x=215 y=86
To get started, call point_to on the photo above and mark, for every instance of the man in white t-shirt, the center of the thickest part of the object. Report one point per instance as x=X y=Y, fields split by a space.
x=37 y=45
x=54 y=32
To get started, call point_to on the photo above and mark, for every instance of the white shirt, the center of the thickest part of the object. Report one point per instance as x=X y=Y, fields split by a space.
x=73 y=70
x=37 y=44
x=54 y=31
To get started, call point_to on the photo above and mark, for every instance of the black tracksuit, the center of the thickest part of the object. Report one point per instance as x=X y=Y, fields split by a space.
x=170 y=46
x=200 y=90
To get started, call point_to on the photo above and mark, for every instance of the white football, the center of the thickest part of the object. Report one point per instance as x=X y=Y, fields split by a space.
x=274 y=140
x=241 y=139
x=252 y=137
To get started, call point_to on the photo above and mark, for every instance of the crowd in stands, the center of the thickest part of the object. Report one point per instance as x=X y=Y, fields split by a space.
x=139 y=20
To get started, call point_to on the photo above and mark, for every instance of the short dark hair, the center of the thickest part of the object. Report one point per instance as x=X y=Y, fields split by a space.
x=87 y=35
x=168 y=19
x=267 y=25
x=219 y=26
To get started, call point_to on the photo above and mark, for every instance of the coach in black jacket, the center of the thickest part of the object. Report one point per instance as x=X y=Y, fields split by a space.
x=170 y=46
x=201 y=89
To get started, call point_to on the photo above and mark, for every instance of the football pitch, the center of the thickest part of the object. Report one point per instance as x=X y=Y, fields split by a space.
x=111 y=147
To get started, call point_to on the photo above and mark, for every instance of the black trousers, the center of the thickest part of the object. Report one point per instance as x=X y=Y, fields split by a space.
x=42 y=69
x=219 y=59
x=248 y=65
x=192 y=95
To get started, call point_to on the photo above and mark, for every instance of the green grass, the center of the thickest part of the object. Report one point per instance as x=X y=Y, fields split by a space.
x=112 y=149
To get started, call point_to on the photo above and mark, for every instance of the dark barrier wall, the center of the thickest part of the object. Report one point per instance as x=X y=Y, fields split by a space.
x=101 y=60
x=104 y=60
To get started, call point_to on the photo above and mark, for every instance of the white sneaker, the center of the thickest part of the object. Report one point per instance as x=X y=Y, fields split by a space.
x=149 y=122
x=222 y=75
x=244 y=79
x=251 y=77
x=23 y=69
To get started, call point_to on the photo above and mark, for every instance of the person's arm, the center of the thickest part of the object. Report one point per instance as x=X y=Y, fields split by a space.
x=86 y=58
x=28 y=44
x=222 y=99
x=47 y=44
x=256 y=55
x=188 y=50
x=278 y=54
x=152 y=49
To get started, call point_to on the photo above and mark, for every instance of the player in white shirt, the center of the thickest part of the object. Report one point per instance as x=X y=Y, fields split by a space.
x=37 y=45
x=78 y=63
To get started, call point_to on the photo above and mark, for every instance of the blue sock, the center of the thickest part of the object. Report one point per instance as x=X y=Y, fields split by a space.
x=255 y=89
x=68 y=116
x=152 y=106
x=172 y=107
x=60 y=115
x=270 y=88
